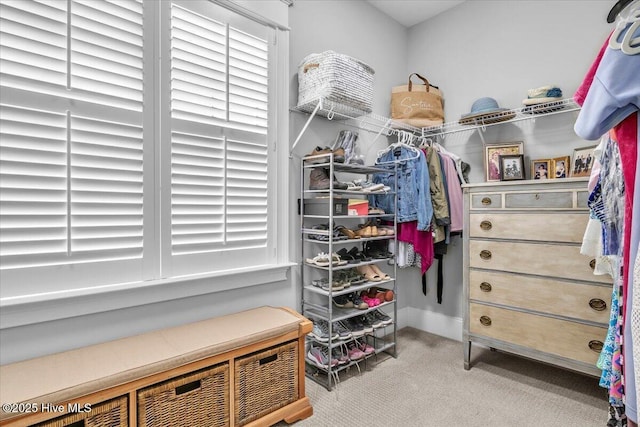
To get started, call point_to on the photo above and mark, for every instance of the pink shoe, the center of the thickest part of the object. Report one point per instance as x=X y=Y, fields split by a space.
x=354 y=352
x=365 y=348
x=371 y=302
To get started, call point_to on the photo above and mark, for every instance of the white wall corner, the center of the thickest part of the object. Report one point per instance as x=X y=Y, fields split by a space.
x=434 y=323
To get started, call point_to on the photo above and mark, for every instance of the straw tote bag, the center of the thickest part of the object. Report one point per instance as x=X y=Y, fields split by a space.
x=418 y=105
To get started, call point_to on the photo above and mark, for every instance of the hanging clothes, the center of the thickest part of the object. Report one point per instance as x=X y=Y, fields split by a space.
x=612 y=101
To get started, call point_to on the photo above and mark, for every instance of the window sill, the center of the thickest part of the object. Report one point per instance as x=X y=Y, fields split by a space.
x=47 y=307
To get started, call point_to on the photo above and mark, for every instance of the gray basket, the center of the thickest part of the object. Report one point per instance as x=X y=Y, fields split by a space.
x=335 y=77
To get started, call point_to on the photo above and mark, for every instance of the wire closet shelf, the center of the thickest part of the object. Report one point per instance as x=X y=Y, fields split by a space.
x=383 y=125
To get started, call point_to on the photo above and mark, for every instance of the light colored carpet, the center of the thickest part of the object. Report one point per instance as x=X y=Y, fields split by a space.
x=426 y=385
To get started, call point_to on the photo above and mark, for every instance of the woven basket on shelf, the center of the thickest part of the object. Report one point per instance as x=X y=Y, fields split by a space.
x=265 y=381
x=112 y=413
x=335 y=77
x=197 y=399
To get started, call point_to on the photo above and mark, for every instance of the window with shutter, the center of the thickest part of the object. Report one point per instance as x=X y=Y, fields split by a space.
x=219 y=92
x=114 y=171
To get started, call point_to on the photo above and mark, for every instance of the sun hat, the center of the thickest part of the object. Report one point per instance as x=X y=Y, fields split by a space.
x=486 y=110
x=543 y=94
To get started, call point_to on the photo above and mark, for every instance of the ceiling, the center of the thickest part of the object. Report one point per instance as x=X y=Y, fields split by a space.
x=411 y=12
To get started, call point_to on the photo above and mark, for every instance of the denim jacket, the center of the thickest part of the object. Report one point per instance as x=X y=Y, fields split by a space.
x=414 y=196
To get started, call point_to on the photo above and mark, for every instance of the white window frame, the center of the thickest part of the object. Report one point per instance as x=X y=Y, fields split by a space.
x=41 y=307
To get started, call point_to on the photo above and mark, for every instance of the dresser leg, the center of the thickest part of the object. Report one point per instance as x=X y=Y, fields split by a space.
x=467 y=355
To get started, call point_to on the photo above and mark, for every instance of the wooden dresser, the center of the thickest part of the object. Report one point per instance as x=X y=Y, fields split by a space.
x=527 y=288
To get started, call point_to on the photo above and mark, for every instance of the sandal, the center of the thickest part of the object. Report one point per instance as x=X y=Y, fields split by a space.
x=321 y=260
x=359 y=255
x=347 y=256
x=369 y=274
x=347 y=232
x=379 y=272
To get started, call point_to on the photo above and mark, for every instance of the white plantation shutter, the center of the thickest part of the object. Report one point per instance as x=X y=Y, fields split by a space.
x=136 y=144
x=71 y=142
x=219 y=176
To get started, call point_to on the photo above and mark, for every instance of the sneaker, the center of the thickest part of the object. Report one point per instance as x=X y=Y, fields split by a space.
x=343 y=332
x=373 y=320
x=367 y=325
x=354 y=351
x=342 y=301
x=320 y=331
x=355 y=326
x=341 y=355
x=383 y=317
x=319 y=356
x=357 y=301
x=364 y=347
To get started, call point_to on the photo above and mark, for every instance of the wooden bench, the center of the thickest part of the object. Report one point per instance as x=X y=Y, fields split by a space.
x=245 y=368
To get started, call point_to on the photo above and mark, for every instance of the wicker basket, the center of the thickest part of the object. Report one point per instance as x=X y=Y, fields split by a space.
x=197 y=399
x=335 y=77
x=112 y=413
x=265 y=381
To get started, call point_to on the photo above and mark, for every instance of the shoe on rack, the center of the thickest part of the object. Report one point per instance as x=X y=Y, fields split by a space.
x=319 y=180
x=355 y=326
x=342 y=301
x=319 y=356
x=341 y=355
x=368 y=326
x=364 y=347
x=343 y=332
x=373 y=320
x=382 y=316
x=338 y=155
x=379 y=272
x=320 y=331
x=357 y=301
x=354 y=351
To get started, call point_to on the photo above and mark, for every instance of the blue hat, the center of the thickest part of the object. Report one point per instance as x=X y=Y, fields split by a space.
x=486 y=110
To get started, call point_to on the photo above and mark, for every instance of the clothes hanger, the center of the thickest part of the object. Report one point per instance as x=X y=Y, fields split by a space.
x=628 y=21
x=404 y=139
x=616 y=9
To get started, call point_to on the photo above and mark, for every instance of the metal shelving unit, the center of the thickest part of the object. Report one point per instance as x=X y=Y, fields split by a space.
x=317 y=303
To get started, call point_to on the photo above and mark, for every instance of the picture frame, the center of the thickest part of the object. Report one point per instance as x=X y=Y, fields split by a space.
x=492 y=152
x=561 y=167
x=582 y=161
x=542 y=169
x=512 y=167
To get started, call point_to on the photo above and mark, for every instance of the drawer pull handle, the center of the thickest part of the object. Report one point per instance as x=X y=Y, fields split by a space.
x=485 y=287
x=592 y=264
x=486 y=225
x=596 y=345
x=485 y=254
x=486 y=201
x=485 y=320
x=268 y=359
x=597 y=304
x=182 y=389
x=537 y=197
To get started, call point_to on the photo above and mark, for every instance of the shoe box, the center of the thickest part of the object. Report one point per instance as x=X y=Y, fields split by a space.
x=320 y=206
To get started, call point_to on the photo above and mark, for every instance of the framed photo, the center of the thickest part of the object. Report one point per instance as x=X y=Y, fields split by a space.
x=561 y=167
x=582 y=161
x=541 y=169
x=511 y=167
x=492 y=153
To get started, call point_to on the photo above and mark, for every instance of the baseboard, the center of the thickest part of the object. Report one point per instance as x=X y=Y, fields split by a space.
x=434 y=323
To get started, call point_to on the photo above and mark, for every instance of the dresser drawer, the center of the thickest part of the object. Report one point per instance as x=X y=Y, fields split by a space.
x=532 y=258
x=551 y=227
x=486 y=201
x=539 y=200
x=562 y=298
x=563 y=338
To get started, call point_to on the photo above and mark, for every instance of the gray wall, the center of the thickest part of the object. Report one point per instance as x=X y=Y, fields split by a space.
x=481 y=48
x=501 y=49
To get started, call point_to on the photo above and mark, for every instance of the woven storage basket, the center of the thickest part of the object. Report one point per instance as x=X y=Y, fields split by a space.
x=335 y=77
x=112 y=413
x=265 y=381
x=200 y=398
